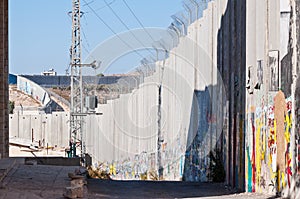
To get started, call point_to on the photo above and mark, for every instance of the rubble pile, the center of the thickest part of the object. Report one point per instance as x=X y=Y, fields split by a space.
x=77 y=185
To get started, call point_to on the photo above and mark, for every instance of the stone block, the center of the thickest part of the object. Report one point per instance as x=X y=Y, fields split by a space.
x=33 y=162
x=74 y=192
x=78 y=182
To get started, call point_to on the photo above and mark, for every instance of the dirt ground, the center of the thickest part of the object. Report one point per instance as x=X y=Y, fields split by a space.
x=21 y=98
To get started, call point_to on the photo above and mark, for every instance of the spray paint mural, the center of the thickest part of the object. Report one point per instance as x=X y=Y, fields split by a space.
x=268 y=150
x=143 y=167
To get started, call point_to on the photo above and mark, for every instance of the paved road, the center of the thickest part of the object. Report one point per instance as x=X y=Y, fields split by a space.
x=35 y=181
x=40 y=181
x=152 y=189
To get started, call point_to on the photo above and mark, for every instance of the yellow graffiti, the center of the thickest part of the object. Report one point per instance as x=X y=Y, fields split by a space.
x=112 y=169
x=260 y=151
x=287 y=134
x=278 y=181
x=273 y=174
x=282 y=178
x=288 y=157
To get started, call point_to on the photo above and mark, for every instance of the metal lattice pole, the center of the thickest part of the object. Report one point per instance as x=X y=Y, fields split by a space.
x=76 y=109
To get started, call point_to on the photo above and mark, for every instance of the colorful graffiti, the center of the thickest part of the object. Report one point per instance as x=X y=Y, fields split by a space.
x=268 y=152
x=143 y=166
x=287 y=134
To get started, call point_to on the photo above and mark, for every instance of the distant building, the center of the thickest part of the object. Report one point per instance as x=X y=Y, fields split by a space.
x=50 y=72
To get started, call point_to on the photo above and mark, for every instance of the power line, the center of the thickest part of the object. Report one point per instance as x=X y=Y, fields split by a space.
x=97 y=9
x=87 y=48
x=125 y=25
x=88 y=3
x=128 y=45
x=84 y=35
x=106 y=5
x=141 y=24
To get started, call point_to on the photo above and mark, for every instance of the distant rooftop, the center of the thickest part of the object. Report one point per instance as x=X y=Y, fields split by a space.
x=50 y=72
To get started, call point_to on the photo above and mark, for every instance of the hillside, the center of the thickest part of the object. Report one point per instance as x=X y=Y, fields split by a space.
x=22 y=99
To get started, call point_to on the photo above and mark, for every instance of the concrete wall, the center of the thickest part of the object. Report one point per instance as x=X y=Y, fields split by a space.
x=140 y=131
x=4 y=79
x=193 y=104
x=44 y=128
x=295 y=48
x=12 y=79
x=64 y=81
x=270 y=136
x=34 y=90
x=230 y=87
x=231 y=56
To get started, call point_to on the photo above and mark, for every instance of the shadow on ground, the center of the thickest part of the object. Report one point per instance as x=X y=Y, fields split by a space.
x=154 y=189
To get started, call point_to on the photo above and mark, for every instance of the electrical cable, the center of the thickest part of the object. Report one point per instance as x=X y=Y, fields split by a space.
x=99 y=18
x=141 y=24
x=97 y=9
x=125 y=25
x=105 y=5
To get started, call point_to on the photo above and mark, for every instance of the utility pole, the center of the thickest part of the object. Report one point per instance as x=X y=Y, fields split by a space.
x=77 y=112
x=76 y=120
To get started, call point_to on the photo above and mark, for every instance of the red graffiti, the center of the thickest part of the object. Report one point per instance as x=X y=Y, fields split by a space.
x=271 y=141
x=271 y=110
x=289 y=106
x=289 y=172
x=271 y=122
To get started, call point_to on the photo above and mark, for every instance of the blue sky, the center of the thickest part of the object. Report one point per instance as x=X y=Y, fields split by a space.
x=40 y=30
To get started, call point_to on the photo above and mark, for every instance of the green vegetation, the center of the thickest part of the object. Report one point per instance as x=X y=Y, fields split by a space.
x=11 y=107
x=216 y=166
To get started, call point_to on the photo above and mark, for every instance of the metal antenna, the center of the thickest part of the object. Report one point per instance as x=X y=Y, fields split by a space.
x=76 y=109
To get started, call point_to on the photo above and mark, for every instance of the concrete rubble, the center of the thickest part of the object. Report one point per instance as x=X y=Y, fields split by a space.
x=76 y=190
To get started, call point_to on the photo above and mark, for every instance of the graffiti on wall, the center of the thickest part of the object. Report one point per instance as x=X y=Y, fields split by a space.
x=143 y=166
x=274 y=70
x=268 y=152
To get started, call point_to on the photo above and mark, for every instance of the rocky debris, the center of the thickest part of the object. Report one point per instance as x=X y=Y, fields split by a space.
x=153 y=175
x=74 y=192
x=31 y=162
x=78 y=182
x=98 y=172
